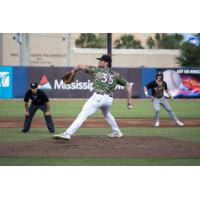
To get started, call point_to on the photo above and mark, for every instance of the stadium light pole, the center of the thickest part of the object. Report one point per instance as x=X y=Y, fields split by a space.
x=69 y=36
x=24 y=45
x=109 y=45
x=25 y=49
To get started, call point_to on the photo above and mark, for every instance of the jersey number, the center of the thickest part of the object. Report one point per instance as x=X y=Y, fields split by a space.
x=107 y=78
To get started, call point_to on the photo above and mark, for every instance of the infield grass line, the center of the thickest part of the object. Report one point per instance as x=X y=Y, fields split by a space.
x=190 y=134
x=44 y=161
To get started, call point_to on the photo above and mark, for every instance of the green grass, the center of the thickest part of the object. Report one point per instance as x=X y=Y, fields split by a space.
x=8 y=135
x=70 y=108
x=13 y=135
x=185 y=133
x=33 y=161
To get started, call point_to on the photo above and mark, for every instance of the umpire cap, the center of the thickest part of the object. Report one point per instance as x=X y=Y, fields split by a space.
x=33 y=85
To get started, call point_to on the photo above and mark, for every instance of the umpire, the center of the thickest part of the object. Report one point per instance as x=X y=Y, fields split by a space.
x=39 y=101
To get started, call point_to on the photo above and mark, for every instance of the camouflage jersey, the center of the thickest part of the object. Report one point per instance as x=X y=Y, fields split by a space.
x=105 y=79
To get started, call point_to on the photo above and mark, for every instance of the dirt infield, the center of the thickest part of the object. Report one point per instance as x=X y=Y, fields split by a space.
x=94 y=123
x=102 y=146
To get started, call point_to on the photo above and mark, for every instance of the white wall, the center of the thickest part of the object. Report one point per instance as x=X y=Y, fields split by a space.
x=50 y=49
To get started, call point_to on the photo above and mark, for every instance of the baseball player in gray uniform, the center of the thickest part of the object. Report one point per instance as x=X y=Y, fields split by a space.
x=158 y=87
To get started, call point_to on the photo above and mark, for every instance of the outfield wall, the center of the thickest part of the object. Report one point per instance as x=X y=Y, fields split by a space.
x=14 y=81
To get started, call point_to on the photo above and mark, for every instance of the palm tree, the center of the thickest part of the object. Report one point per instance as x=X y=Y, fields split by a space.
x=151 y=43
x=127 y=42
x=189 y=54
x=165 y=41
x=171 y=41
x=90 y=40
x=158 y=40
x=86 y=40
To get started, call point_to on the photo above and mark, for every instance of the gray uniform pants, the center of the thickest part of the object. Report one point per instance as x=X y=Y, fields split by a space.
x=163 y=102
x=28 y=119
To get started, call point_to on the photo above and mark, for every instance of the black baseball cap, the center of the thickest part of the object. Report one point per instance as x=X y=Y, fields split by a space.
x=33 y=85
x=105 y=58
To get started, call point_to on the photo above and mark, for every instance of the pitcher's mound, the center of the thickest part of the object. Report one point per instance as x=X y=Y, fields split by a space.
x=102 y=146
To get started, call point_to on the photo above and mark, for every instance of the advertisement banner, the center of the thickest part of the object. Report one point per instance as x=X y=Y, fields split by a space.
x=49 y=79
x=6 y=77
x=148 y=75
x=20 y=80
x=184 y=82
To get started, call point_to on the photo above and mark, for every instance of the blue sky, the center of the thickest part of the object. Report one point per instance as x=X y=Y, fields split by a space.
x=188 y=35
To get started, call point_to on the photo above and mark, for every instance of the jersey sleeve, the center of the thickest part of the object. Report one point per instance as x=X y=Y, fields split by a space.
x=91 y=69
x=149 y=85
x=26 y=97
x=121 y=80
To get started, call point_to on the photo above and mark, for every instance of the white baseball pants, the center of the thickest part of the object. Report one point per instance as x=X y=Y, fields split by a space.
x=95 y=102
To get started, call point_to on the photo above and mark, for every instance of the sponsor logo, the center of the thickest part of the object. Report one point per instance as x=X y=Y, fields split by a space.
x=44 y=83
x=60 y=85
x=4 y=79
x=77 y=85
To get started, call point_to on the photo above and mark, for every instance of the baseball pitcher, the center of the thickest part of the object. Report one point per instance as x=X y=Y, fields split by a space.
x=104 y=82
x=158 y=87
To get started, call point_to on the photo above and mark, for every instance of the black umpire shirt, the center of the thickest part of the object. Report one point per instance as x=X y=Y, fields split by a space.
x=157 y=89
x=38 y=99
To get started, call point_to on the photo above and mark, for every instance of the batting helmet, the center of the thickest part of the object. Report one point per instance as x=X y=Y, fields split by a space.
x=159 y=74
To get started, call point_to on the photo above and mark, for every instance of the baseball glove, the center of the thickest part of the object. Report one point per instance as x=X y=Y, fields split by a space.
x=68 y=78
